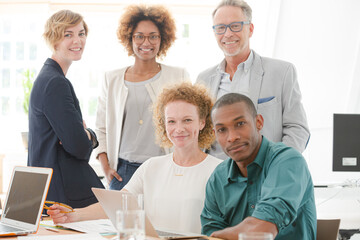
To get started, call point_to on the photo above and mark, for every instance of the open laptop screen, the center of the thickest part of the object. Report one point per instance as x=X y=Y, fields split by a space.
x=25 y=196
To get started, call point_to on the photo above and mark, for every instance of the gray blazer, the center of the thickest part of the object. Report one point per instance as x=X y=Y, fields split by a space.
x=275 y=91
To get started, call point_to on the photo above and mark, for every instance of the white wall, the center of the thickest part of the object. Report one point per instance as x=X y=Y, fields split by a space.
x=322 y=39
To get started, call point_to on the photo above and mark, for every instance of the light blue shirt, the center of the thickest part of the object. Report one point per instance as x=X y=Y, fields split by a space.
x=240 y=83
x=278 y=189
x=240 y=80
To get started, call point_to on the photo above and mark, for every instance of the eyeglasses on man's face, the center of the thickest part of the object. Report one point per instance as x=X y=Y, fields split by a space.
x=234 y=27
x=140 y=38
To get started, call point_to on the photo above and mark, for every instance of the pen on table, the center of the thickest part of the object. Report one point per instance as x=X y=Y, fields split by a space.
x=51 y=229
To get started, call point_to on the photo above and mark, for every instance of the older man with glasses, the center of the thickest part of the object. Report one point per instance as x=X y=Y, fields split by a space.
x=271 y=84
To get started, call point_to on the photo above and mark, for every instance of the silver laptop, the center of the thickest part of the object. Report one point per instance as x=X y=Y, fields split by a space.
x=25 y=200
x=110 y=201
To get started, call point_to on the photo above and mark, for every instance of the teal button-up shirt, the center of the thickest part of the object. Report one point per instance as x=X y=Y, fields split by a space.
x=278 y=189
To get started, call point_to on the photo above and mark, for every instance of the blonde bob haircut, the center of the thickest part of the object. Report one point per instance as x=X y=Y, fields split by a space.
x=57 y=24
x=196 y=95
x=157 y=14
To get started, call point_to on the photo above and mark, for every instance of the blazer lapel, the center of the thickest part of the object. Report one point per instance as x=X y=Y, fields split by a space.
x=215 y=83
x=155 y=87
x=256 y=78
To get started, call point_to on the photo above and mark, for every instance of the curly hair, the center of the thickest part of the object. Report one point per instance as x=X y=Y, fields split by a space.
x=196 y=95
x=158 y=14
x=57 y=24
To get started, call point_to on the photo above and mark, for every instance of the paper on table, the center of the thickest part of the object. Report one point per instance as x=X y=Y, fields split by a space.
x=92 y=226
x=86 y=236
x=50 y=224
x=47 y=223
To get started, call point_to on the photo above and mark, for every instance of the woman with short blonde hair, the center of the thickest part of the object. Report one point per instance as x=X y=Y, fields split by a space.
x=58 y=136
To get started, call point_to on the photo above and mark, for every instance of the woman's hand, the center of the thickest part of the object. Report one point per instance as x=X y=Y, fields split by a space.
x=87 y=132
x=57 y=215
x=110 y=174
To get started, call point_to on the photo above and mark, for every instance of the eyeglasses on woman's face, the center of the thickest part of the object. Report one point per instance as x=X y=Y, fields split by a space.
x=140 y=38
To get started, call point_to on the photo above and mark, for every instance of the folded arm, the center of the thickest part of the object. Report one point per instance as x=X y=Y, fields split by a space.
x=63 y=113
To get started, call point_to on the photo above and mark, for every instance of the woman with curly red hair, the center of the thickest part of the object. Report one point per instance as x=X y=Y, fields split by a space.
x=123 y=125
x=173 y=185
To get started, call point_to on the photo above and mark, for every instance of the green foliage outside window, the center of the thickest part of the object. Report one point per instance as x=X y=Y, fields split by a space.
x=27 y=83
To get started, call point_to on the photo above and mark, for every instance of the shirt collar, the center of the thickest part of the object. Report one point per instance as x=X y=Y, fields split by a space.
x=234 y=172
x=221 y=67
x=249 y=61
x=245 y=65
x=260 y=157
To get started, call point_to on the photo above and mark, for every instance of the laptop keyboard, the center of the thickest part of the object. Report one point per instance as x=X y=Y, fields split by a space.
x=168 y=234
x=5 y=229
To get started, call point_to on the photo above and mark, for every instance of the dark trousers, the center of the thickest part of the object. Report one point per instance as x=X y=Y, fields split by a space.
x=125 y=169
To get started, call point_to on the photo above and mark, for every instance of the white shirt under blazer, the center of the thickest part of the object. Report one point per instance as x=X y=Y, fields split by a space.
x=111 y=105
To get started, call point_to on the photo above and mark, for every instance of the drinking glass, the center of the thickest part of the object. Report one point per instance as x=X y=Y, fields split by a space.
x=131 y=201
x=130 y=224
x=256 y=236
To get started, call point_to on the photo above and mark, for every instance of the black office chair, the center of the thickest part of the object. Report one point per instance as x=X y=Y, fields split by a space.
x=346 y=234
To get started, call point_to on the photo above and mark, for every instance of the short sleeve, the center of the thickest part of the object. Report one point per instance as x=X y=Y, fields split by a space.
x=136 y=183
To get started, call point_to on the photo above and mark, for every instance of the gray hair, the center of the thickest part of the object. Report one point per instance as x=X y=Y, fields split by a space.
x=236 y=3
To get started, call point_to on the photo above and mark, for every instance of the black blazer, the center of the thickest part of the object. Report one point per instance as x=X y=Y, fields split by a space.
x=54 y=117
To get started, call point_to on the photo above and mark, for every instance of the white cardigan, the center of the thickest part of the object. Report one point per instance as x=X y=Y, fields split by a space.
x=111 y=106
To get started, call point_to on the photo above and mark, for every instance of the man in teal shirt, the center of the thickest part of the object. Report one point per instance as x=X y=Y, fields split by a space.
x=263 y=186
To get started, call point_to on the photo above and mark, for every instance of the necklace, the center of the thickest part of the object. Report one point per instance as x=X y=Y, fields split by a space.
x=141 y=121
x=140 y=112
x=180 y=167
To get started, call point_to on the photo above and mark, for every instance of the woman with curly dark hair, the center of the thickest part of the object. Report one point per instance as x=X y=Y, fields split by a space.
x=123 y=124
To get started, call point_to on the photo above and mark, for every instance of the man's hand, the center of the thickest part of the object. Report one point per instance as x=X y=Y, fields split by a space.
x=249 y=224
x=229 y=233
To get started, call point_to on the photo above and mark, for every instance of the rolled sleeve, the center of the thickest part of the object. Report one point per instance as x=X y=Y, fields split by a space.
x=282 y=193
x=274 y=213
